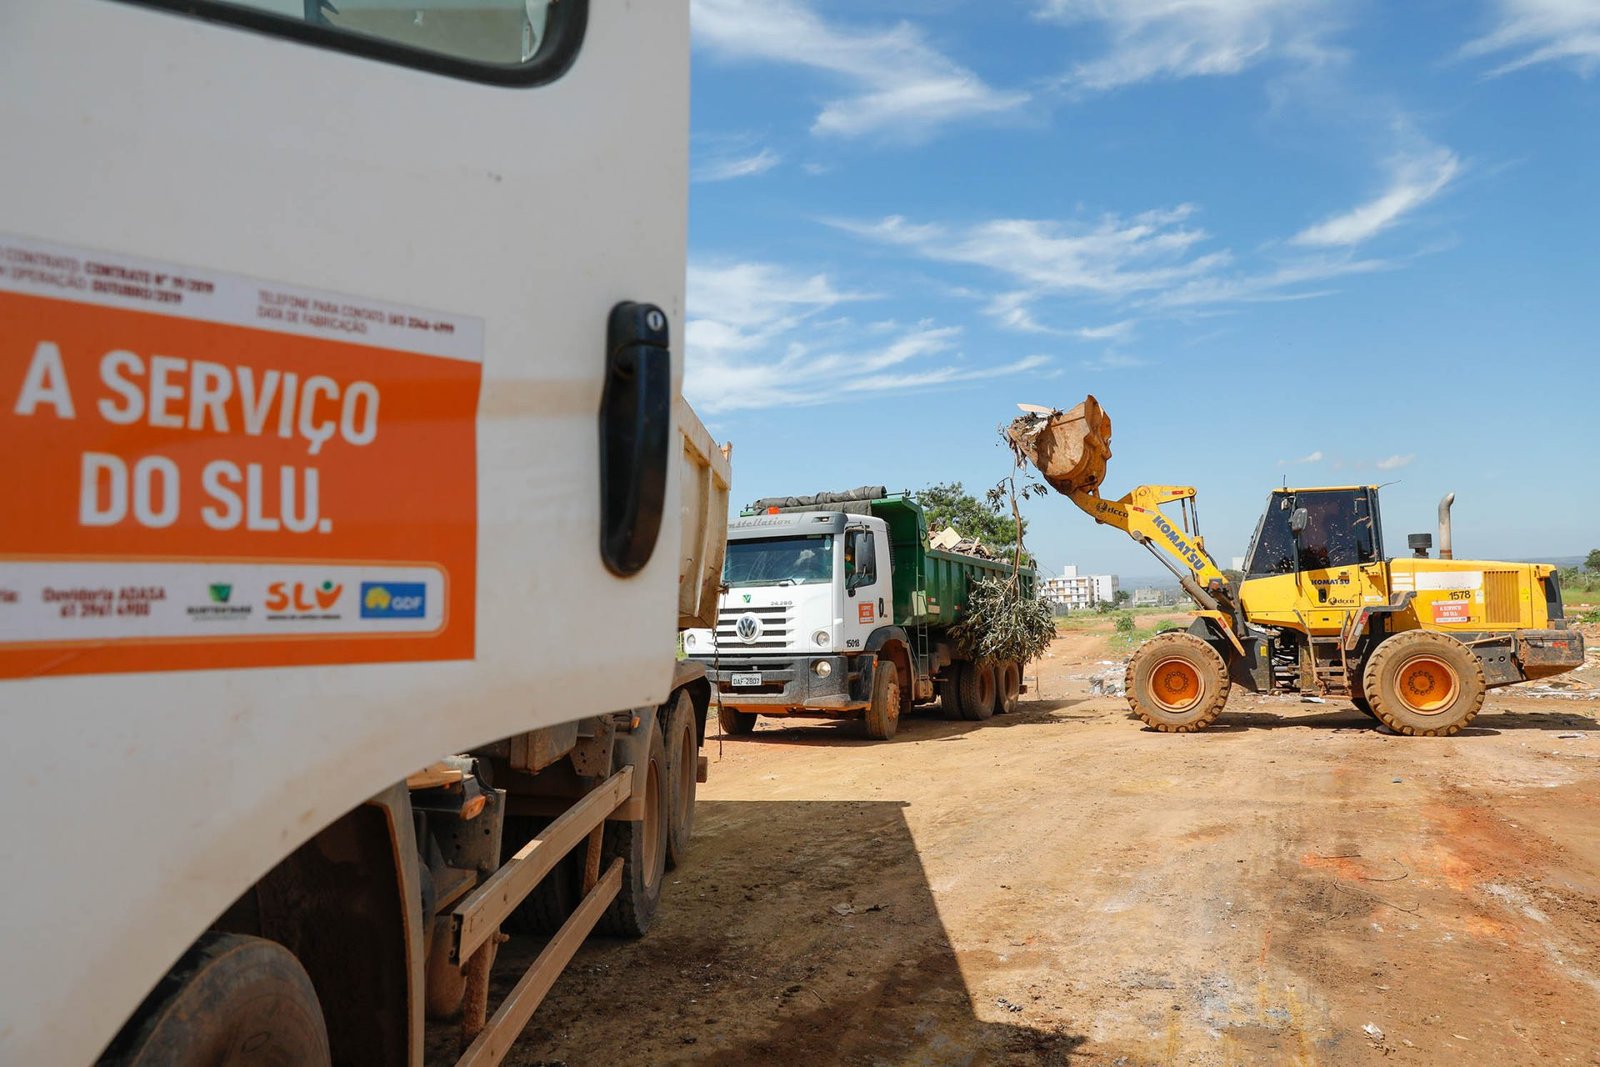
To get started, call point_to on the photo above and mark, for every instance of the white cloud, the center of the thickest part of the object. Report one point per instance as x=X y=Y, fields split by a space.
x=1415 y=178
x=1152 y=260
x=727 y=168
x=1392 y=463
x=1112 y=361
x=1152 y=39
x=757 y=338
x=1112 y=256
x=897 y=83
x=1314 y=457
x=1543 y=31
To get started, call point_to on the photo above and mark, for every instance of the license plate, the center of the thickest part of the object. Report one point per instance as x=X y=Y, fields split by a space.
x=752 y=678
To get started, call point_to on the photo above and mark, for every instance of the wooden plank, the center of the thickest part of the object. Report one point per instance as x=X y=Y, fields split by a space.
x=496 y=1040
x=480 y=915
x=433 y=776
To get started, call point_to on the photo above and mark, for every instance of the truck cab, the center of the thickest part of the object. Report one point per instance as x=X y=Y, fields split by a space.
x=806 y=594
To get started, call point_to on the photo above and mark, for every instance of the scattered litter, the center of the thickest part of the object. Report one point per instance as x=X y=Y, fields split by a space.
x=855 y=909
x=1397 y=781
x=1007 y=1005
x=1111 y=682
x=1312 y=700
x=1570 y=737
x=1373 y=1032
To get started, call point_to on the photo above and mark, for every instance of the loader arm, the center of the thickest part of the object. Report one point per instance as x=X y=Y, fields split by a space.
x=1070 y=449
x=1138 y=514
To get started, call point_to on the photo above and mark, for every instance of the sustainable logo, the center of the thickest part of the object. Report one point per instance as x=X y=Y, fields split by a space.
x=220 y=593
x=393 y=600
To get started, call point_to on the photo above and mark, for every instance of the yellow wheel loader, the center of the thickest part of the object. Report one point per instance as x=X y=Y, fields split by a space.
x=1413 y=642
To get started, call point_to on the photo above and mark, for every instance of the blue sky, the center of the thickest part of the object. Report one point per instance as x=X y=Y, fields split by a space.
x=1328 y=241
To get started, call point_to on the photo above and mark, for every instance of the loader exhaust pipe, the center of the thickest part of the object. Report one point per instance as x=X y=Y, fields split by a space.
x=1444 y=526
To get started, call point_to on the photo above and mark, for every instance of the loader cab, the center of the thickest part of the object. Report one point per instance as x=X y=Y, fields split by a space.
x=1338 y=527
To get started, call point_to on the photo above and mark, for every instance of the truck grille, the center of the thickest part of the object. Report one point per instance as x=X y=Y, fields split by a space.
x=1500 y=601
x=775 y=625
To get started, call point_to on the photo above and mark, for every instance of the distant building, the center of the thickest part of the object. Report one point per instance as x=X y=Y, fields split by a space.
x=1148 y=598
x=1071 y=591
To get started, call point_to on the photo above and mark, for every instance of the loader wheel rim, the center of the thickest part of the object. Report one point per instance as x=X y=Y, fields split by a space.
x=1175 y=685
x=1427 y=685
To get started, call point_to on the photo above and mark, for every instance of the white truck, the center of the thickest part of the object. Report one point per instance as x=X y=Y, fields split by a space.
x=347 y=499
x=838 y=605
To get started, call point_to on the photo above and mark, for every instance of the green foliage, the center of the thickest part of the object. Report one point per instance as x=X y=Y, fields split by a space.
x=1125 y=623
x=1592 y=564
x=949 y=504
x=1122 y=597
x=999 y=623
x=1593 y=615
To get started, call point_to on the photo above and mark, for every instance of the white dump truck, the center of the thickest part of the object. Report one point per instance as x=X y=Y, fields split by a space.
x=347 y=502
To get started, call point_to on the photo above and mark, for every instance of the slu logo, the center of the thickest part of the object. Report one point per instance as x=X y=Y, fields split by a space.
x=220 y=593
x=284 y=596
x=393 y=600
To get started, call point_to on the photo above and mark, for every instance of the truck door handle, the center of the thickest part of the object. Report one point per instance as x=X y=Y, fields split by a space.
x=635 y=428
x=881 y=612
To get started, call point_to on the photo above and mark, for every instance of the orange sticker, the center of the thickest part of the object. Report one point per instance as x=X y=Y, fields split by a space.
x=1452 y=611
x=865 y=612
x=209 y=471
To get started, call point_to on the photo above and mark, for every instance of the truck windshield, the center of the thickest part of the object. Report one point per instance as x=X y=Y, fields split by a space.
x=780 y=561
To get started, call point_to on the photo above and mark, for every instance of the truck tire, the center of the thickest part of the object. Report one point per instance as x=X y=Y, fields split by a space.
x=642 y=847
x=683 y=765
x=883 y=714
x=1177 y=683
x=553 y=900
x=230 y=1000
x=975 y=687
x=949 y=699
x=735 y=723
x=1364 y=706
x=1424 y=684
x=1008 y=686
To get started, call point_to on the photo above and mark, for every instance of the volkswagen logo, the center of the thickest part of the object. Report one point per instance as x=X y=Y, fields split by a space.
x=748 y=628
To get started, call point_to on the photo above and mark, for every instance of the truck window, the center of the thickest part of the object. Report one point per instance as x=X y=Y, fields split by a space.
x=779 y=561
x=494 y=40
x=860 y=559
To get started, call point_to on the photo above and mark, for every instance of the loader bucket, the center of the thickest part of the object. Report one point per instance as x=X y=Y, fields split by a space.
x=1069 y=448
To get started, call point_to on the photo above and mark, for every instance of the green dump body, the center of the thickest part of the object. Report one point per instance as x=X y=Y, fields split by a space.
x=930 y=586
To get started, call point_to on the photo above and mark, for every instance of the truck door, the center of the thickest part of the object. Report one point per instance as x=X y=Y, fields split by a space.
x=867 y=583
x=306 y=321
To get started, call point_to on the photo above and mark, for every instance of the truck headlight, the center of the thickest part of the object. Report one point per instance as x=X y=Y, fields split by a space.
x=821 y=637
x=823 y=668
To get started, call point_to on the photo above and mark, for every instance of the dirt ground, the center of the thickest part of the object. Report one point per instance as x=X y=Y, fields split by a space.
x=1061 y=886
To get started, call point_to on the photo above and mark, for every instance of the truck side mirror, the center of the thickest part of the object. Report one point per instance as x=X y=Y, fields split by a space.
x=1298 y=518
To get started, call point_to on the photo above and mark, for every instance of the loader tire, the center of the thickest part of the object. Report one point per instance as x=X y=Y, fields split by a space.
x=1364 y=706
x=1424 y=684
x=883 y=714
x=735 y=723
x=683 y=766
x=1177 y=683
x=642 y=847
x=1008 y=686
x=975 y=690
